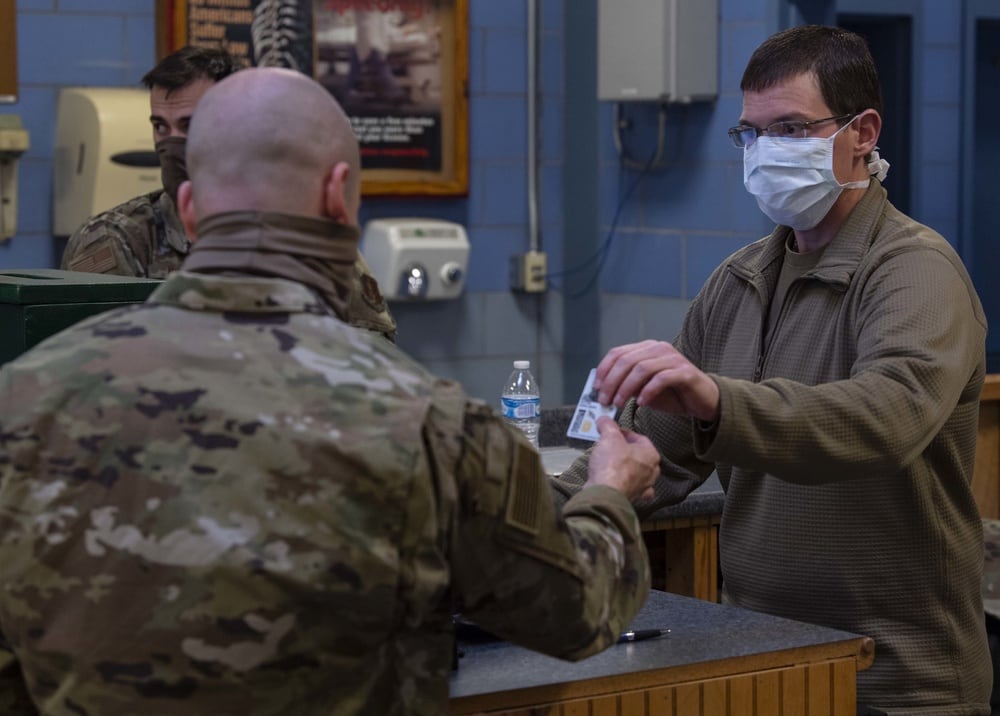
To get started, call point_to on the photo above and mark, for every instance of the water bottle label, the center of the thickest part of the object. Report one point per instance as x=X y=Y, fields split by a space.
x=520 y=408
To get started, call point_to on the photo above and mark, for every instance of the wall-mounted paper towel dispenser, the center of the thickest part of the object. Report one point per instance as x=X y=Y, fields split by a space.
x=103 y=155
x=416 y=259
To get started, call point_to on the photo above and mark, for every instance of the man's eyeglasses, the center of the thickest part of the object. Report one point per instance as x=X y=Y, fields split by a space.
x=744 y=135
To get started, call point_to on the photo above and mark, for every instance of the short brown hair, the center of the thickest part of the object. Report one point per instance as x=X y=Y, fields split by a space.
x=840 y=59
x=181 y=68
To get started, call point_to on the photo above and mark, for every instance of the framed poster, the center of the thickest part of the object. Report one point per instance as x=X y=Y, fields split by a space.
x=399 y=68
x=8 y=52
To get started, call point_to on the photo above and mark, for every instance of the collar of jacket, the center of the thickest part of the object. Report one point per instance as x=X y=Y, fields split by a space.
x=236 y=234
x=315 y=252
x=842 y=256
x=173 y=228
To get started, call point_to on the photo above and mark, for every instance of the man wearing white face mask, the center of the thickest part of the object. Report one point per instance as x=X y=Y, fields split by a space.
x=830 y=373
x=791 y=173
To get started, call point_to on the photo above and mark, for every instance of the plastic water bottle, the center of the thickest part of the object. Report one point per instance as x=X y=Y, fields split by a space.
x=520 y=402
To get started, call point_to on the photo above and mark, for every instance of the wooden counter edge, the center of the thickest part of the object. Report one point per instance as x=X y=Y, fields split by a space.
x=991 y=388
x=861 y=649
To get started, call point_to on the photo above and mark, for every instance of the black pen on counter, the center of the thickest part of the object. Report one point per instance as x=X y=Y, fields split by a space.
x=641 y=635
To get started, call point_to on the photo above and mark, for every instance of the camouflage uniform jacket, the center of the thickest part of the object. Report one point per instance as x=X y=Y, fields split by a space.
x=144 y=237
x=228 y=501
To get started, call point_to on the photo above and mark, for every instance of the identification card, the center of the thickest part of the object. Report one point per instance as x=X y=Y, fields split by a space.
x=584 y=423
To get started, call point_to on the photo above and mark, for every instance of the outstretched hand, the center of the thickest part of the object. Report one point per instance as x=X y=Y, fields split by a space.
x=623 y=460
x=657 y=375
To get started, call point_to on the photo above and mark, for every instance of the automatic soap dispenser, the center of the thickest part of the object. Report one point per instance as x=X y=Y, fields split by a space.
x=416 y=259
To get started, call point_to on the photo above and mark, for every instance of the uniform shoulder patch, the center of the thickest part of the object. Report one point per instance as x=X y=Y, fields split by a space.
x=371 y=294
x=96 y=259
x=522 y=504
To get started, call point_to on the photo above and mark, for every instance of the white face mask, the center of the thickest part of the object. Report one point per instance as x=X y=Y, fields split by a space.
x=792 y=179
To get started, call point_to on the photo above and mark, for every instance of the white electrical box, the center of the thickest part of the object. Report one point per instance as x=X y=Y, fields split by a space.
x=657 y=50
x=416 y=259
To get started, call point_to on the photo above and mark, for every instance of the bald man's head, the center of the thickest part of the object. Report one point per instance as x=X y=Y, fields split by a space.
x=268 y=139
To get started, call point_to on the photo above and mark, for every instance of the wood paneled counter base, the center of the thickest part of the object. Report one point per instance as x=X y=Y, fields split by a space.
x=717 y=660
x=986 y=476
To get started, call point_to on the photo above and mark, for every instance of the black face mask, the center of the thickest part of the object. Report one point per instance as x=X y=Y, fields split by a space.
x=173 y=168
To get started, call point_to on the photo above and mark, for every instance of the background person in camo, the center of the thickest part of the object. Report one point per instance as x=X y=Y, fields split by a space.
x=144 y=236
x=229 y=501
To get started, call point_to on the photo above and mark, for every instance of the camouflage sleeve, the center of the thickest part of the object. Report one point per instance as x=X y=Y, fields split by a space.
x=101 y=245
x=368 y=308
x=563 y=583
x=14 y=698
x=571 y=480
x=680 y=470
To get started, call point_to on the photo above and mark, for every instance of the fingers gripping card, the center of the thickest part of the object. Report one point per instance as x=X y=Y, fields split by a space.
x=588 y=410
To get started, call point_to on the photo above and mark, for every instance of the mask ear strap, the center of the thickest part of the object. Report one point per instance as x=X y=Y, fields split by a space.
x=877 y=166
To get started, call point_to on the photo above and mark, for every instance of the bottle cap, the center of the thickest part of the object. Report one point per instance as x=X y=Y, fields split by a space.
x=522 y=364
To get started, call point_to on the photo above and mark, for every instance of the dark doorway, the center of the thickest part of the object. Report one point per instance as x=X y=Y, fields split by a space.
x=984 y=238
x=890 y=39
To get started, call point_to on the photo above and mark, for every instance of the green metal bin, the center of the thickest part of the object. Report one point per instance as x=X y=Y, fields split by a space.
x=36 y=303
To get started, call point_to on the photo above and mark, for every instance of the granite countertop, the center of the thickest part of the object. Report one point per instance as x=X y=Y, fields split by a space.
x=559 y=452
x=700 y=631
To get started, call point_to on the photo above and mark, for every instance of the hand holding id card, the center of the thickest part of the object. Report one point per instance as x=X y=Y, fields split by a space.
x=584 y=423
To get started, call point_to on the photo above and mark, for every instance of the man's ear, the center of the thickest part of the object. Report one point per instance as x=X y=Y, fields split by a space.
x=335 y=201
x=869 y=126
x=185 y=209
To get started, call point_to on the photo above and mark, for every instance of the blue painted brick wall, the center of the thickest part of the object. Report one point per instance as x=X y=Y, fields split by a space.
x=678 y=223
